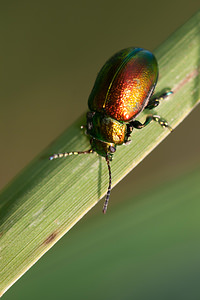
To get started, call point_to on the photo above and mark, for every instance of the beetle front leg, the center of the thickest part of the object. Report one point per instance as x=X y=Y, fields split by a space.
x=155 y=101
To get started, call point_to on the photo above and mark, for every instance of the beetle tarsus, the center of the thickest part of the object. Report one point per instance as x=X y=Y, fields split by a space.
x=138 y=125
x=155 y=101
x=162 y=122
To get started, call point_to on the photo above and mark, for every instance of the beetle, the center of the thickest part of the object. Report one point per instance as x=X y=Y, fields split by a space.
x=122 y=90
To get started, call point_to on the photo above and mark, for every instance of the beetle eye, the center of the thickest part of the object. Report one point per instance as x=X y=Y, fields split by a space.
x=112 y=149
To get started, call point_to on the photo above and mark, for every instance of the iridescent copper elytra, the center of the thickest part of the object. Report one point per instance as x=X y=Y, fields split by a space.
x=123 y=88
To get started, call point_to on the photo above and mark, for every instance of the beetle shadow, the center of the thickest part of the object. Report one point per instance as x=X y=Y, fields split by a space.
x=99 y=178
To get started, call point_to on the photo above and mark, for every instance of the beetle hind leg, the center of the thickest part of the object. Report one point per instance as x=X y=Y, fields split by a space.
x=155 y=101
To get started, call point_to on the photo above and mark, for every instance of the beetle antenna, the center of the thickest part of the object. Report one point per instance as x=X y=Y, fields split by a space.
x=105 y=206
x=60 y=155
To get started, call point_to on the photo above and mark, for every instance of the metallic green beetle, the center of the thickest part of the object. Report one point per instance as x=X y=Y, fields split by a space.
x=123 y=88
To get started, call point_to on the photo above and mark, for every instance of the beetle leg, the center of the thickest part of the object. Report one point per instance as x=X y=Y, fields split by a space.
x=162 y=122
x=136 y=124
x=129 y=129
x=153 y=102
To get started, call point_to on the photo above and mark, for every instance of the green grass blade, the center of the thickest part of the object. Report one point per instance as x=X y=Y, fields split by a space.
x=49 y=197
x=150 y=241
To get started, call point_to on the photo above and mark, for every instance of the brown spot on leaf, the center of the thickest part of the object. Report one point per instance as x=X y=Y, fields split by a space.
x=187 y=78
x=50 y=238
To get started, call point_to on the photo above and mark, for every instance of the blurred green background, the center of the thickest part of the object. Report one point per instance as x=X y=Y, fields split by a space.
x=50 y=55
